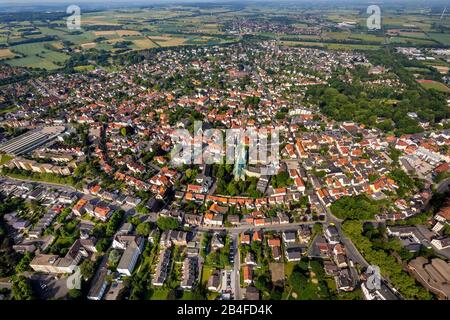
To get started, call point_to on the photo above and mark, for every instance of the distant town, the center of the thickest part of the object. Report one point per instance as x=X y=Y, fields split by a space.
x=93 y=207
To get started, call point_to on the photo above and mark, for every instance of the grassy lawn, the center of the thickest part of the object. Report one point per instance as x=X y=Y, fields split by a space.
x=45 y=177
x=307 y=281
x=4 y=159
x=188 y=295
x=331 y=283
x=288 y=267
x=84 y=68
x=206 y=273
x=160 y=294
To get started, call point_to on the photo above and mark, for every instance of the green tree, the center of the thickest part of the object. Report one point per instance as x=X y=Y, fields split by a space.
x=167 y=223
x=114 y=223
x=281 y=180
x=232 y=188
x=114 y=257
x=74 y=294
x=87 y=269
x=144 y=229
x=387 y=263
x=24 y=263
x=124 y=131
x=355 y=208
x=102 y=245
x=21 y=289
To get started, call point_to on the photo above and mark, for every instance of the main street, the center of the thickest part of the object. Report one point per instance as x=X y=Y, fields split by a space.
x=350 y=248
x=236 y=267
x=273 y=227
x=60 y=188
x=57 y=186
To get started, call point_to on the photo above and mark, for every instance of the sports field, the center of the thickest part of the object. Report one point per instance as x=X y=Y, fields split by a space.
x=430 y=84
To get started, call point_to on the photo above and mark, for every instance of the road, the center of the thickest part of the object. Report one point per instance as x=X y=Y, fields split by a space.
x=352 y=251
x=236 y=267
x=62 y=187
x=276 y=227
x=443 y=186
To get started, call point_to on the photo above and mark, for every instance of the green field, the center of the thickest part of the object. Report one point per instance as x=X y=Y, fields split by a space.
x=37 y=54
x=443 y=38
x=84 y=68
x=159 y=294
x=418 y=70
x=411 y=41
x=206 y=273
x=436 y=86
x=332 y=46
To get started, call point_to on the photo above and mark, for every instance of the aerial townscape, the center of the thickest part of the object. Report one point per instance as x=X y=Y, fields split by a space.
x=351 y=204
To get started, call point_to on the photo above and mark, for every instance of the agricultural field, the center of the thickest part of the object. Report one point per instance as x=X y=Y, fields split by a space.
x=442 y=69
x=302 y=44
x=411 y=41
x=6 y=53
x=332 y=46
x=167 y=41
x=48 y=44
x=145 y=43
x=120 y=33
x=37 y=54
x=430 y=84
x=366 y=37
x=443 y=38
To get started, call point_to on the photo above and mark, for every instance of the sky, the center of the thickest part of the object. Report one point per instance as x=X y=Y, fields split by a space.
x=25 y=5
x=37 y=2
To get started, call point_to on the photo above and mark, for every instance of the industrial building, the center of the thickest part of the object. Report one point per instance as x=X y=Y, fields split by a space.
x=29 y=141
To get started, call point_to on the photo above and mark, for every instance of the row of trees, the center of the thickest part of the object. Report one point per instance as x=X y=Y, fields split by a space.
x=388 y=264
x=8 y=257
x=355 y=208
x=47 y=177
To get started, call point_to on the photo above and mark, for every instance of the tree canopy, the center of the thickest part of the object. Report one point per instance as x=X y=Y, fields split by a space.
x=355 y=208
x=167 y=223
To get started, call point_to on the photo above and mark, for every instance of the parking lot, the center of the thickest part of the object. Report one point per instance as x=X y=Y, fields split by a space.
x=47 y=286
